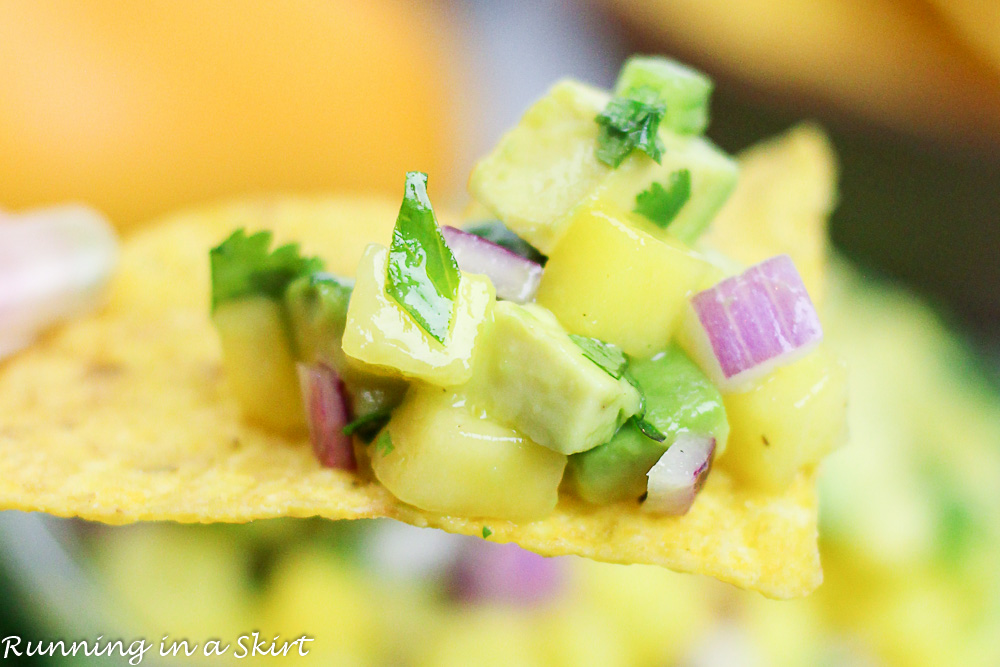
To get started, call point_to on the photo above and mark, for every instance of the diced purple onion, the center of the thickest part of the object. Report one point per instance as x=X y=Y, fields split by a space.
x=504 y=573
x=751 y=323
x=680 y=473
x=54 y=264
x=327 y=413
x=514 y=277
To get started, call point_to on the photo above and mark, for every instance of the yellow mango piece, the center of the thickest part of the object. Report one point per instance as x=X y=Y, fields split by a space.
x=379 y=332
x=790 y=419
x=258 y=362
x=451 y=458
x=611 y=281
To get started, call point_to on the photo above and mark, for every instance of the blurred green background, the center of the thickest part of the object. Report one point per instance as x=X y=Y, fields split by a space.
x=171 y=104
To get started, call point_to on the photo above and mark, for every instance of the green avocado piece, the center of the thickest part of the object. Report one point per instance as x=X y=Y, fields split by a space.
x=684 y=91
x=317 y=310
x=547 y=165
x=530 y=375
x=713 y=179
x=679 y=399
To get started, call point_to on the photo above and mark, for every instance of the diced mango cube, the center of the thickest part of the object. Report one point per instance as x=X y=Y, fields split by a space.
x=379 y=332
x=608 y=280
x=447 y=457
x=790 y=419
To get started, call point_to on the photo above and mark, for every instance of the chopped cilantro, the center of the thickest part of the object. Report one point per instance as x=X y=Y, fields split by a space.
x=243 y=266
x=423 y=275
x=662 y=204
x=648 y=428
x=607 y=356
x=366 y=426
x=486 y=532
x=384 y=443
x=628 y=123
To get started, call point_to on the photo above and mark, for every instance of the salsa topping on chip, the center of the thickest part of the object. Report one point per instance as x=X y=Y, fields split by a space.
x=625 y=370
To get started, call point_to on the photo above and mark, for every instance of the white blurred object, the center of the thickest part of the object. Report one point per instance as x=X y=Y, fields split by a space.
x=727 y=645
x=54 y=264
x=397 y=550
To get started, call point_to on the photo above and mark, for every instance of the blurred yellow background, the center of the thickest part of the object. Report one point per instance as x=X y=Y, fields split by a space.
x=140 y=108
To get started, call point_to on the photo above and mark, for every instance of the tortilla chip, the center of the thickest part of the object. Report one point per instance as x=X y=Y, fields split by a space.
x=126 y=416
x=786 y=191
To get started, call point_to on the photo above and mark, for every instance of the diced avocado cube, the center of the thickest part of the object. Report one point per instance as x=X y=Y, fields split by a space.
x=258 y=361
x=531 y=375
x=679 y=399
x=609 y=280
x=788 y=420
x=443 y=456
x=317 y=308
x=381 y=333
x=713 y=179
x=547 y=165
x=684 y=91
x=615 y=470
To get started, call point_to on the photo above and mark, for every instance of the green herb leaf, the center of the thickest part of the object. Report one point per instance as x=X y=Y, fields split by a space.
x=628 y=123
x=243 y=266
x=486 y=532
x=497 y=232
x=648 y=429
x=366 y=426
x=605 y=355
x=662 y=204
x=384 y=443
x=423 y=275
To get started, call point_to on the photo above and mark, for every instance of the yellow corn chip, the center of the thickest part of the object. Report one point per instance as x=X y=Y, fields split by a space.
x=786 y=191
x=126 y=416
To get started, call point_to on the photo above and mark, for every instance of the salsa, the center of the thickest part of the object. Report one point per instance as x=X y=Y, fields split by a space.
x=584 y=342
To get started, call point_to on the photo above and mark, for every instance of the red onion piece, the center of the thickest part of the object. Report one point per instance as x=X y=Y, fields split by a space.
x=514 y=277
x=504 y=573
x=747 y=325
x=54 y=264
x=679 y=474
x=327 y=414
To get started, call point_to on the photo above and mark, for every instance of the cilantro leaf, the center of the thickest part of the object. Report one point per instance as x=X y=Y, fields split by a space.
x=366 y=426
x=486 y=532
x=423 y=275
x=662 y=204
x=243 y=266
x=628 y=123
x=384 y=443
x=611 y=359
x=648 y=428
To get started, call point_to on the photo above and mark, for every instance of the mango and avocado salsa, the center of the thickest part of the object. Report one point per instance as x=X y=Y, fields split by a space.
x=658 y=399
x=626 y=367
